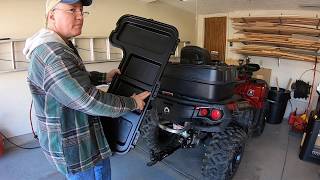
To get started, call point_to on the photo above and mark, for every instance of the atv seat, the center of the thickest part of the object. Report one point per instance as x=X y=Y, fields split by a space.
x=248 y=69
x=194 y=55
x=198 y=56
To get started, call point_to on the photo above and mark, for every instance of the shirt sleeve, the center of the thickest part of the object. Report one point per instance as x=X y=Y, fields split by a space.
x=98 y=78
x=71 y=86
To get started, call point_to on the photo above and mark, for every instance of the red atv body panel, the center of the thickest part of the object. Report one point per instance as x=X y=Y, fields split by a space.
x=254 y=91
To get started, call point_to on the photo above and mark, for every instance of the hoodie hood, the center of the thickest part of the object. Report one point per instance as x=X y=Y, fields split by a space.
x=41 y=37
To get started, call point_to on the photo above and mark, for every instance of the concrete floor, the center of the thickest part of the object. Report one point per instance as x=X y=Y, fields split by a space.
x=273 y=156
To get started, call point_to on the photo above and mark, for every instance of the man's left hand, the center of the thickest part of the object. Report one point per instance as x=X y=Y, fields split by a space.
x=111 y=74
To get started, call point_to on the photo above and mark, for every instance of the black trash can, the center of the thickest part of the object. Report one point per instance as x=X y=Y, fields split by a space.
x=276 y=104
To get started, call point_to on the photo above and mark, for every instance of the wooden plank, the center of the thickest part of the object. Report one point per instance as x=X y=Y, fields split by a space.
x=252 y=34
x=312 y=47
x=253 y=53
x=300 y=41
x=277 y=54
x=278 y=42
x=279 y=20
x=284 y=49
x=285 y=30
x=268 y=24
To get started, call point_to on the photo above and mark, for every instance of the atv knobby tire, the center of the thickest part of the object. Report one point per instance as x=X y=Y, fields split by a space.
x=246 y=120
x=149 y=128
x=157 y=140
x=223 y=154
x=261 y=122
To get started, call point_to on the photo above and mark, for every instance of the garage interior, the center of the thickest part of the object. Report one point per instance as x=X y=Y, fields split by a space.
x=282 y=37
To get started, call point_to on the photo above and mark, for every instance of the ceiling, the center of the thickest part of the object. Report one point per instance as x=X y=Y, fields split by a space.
x=222 y=6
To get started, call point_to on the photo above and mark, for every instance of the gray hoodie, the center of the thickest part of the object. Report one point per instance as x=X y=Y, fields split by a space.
x=41 y=37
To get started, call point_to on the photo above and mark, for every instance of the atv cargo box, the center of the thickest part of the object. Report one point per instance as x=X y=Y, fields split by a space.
x=147 y=46
x=204 y=82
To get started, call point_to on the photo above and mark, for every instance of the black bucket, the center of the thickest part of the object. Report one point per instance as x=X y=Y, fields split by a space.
x=276 y=104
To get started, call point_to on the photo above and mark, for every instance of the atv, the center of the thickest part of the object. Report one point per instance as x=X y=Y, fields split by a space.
x=206 y=103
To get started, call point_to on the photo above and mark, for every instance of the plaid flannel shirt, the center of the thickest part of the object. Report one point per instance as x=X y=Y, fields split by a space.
x=67 y=105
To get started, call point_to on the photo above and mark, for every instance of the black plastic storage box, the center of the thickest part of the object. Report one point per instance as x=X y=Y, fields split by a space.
x=203 y=82
x=147 y=46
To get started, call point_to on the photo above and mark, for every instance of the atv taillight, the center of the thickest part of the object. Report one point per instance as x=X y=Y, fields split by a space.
x=216 y=114
x=203 y=112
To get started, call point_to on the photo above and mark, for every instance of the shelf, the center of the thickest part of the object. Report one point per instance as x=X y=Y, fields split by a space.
x=92 y=49
x=293 y=38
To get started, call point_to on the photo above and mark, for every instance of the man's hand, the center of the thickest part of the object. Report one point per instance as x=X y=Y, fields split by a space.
x=139 y=99
x=111 y=74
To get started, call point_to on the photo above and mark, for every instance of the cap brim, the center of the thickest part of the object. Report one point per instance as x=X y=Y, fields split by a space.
x=84 y=2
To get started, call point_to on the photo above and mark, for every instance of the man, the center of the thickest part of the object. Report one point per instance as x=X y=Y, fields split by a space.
x=67 y=103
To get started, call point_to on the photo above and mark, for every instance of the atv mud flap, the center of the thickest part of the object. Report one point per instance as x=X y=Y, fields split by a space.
x=147 y=46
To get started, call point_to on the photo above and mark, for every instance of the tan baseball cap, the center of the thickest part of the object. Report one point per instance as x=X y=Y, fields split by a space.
x=50 y=4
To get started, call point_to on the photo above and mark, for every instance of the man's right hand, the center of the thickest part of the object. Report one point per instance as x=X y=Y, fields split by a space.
x=139 y=99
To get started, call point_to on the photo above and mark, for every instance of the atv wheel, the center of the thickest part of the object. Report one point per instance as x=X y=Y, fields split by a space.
x=261 y=122
x=158 y=141
x=149 y=128
x=224 y=153
x=246 y=121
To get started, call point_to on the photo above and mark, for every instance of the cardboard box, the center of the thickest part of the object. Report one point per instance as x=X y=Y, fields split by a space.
x=264 y=74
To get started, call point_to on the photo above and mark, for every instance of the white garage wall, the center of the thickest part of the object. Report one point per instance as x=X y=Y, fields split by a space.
x=20 y=19
x=283 y=69
x=15 y=100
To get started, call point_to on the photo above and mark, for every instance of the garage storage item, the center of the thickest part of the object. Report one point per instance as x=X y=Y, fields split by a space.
x=277 y=103
x=310 y=146
x=298 y=122
x=301 y=89
x=147 y=46
x=205 y=82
